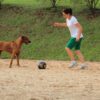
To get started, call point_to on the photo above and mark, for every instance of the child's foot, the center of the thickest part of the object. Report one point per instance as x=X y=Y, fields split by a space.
x=83 y=66
x=73 y=64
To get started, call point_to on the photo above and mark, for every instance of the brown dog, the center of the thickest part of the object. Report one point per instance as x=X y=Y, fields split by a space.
x=14 y=48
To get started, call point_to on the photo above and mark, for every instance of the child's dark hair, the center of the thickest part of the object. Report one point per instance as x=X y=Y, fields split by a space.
x=68 y=11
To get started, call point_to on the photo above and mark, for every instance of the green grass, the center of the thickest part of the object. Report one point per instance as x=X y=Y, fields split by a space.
x=47 y=42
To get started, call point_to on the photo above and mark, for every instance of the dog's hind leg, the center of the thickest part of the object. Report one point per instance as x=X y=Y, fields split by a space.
x=17 y=58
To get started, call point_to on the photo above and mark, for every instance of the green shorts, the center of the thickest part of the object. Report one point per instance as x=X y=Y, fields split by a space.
x=72 y=43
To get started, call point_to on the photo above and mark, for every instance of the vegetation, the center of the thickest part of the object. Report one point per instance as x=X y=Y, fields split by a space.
x=92 y=4
x=1 y=3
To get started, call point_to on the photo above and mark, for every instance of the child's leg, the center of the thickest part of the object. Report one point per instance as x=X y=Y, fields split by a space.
x=69 y=46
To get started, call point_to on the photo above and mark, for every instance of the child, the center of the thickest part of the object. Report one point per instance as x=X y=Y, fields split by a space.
x=76 y=37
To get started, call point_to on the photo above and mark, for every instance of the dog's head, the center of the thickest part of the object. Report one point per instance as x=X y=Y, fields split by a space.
x=25 y=40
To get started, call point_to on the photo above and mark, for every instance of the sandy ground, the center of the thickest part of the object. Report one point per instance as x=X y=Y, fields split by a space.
x=57 y=82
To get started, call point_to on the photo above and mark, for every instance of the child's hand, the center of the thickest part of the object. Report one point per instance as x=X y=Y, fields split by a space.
x=78 y=38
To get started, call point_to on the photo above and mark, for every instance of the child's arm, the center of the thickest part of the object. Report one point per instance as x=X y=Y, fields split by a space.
x=80 y=29
x=56 y=24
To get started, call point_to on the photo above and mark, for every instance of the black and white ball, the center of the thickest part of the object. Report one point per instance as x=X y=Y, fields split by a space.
x=42 y=65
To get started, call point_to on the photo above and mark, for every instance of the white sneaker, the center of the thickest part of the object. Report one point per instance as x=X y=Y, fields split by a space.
x=83 y=66
x=73 y=64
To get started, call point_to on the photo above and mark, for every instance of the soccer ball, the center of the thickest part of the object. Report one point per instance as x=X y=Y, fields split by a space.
x=42 y=65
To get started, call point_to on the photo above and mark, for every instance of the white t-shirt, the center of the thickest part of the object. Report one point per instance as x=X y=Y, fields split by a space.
x=71 y=25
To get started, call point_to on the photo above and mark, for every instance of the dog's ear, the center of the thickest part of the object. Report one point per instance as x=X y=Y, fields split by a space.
x=23 y=37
